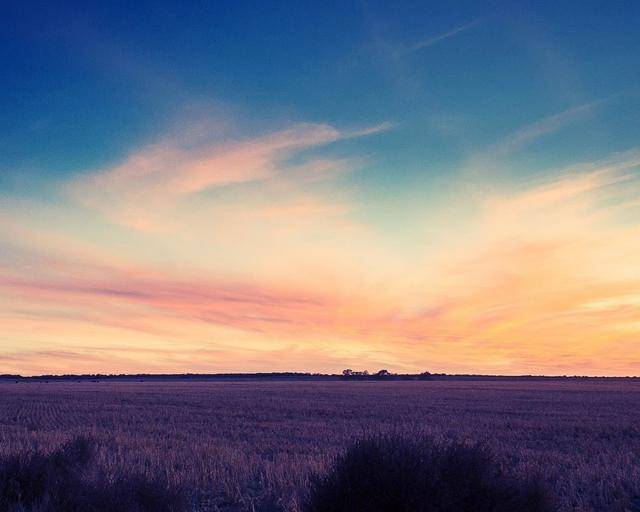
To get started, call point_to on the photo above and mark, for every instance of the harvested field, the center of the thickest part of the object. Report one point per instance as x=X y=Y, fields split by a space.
x=253 y=445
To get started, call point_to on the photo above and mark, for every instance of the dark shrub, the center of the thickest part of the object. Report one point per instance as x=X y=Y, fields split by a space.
x=58 y=483
x=45 y=482
x=396 y=474
x=132 y=493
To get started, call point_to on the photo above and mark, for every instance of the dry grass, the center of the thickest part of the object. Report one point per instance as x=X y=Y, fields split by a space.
x=253 y=445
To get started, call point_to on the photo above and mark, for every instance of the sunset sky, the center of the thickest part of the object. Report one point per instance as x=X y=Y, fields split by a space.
x=312 y=186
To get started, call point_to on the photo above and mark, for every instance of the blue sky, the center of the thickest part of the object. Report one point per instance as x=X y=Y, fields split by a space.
x=269 y=149
x=86 y=83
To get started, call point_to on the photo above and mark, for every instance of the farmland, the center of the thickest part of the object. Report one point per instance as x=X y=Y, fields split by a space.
x=242 y=446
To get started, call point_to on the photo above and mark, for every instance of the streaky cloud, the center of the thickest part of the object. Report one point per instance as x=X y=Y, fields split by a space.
x=545 y=126
x=430 y=41
x=490 y=158
x=370 y=130
x=160 y=175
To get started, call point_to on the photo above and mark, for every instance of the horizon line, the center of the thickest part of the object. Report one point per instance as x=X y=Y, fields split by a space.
x=307 y=374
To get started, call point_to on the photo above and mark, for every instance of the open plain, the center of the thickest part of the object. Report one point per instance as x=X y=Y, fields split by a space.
x=253 y=445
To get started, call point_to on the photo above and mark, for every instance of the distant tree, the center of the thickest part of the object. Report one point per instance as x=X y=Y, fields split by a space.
x=354 y=374
x=382 y=375
x=424 y=376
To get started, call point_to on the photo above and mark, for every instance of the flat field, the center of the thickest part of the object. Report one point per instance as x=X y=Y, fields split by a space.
x=252 y=445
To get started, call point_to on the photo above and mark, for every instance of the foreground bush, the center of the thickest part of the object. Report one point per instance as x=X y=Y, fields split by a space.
x=395 y=474
x=57 y=483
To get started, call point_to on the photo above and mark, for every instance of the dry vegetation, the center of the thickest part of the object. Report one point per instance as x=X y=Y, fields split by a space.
x=253 y=445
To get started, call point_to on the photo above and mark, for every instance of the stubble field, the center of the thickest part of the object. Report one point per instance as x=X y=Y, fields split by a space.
x=244 y=446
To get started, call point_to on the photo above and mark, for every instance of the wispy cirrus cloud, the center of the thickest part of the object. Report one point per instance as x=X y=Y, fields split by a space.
x=159 y=176
x=430 y=41
x=491 y=159
x=543 y=127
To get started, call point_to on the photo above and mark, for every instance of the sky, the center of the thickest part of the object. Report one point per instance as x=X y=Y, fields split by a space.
x=311 y=186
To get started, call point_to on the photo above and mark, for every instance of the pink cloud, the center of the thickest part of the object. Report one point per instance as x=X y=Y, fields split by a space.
x=156 y=178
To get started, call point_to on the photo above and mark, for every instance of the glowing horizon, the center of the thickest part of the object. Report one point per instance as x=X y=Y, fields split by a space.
x=227 y=241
